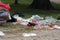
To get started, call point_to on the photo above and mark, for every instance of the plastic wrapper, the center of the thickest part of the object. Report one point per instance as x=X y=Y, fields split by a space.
x=50 y=19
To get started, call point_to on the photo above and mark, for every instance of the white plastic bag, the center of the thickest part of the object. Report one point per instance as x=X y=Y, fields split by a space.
x=57 y=27
x=50 y=19
x=29 y=34
x=1 y=33
x=36 y=17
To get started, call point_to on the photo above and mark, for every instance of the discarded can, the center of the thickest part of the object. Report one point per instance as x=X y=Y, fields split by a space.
x=50 y=25
x=28 y=25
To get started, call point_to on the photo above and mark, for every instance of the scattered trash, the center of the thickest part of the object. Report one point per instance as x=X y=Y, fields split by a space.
x=57 y=27
x=23 y=22
x=38 y=26
x=36 y=17
x=17 y=17
x=35 y=21
x=50 y=25
x=1 y=33
x=29 y=34
x=50 y=20
x=20 y=14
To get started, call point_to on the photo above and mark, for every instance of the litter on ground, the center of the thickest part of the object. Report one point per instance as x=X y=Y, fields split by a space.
x=1 y=33
x=36 y=21
x=29 y=34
